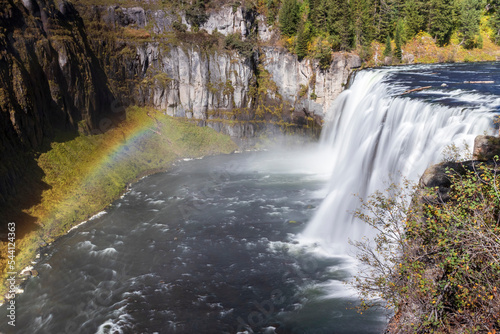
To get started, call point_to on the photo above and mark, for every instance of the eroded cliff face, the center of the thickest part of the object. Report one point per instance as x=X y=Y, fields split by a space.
x=73 y=66
x=49 y=79
x=156 y=57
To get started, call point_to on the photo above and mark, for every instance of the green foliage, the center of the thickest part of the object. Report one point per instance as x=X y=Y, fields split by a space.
x=322 y=51
x=235 y=6
x=362 y=22
x=196 y=14
x=234 y=42
x=479 y=42
x=355 y=24
x=436 y=258
x=384 y=15
x=441 y=20
x=179 y=26
x=388 y=48
x=469 y=17
x=289 y=17
x=397 y=40
x=414 y=17
x=494 y=11
x=334 y=17
x=273 y=7
x=303 y=37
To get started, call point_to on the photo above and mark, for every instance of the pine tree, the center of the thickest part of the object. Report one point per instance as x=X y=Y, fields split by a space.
x=480 y=41
x=414 y=17
x=272 y=10
x=303 y=37
x=441 y=20
x=385 y=13
x=388 y=49
x=362 y=14
x=340 y=23
x=494 y=11
x=469 y=18
x=397 y=40
x=289 y=17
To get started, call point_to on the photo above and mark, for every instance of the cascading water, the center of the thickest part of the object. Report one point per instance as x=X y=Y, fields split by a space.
x=374 y=132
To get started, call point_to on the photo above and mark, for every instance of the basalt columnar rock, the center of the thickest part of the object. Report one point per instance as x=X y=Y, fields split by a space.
x=157 y=58
x=74 y=65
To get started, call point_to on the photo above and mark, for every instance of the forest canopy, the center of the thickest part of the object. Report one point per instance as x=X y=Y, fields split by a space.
x=355 y=24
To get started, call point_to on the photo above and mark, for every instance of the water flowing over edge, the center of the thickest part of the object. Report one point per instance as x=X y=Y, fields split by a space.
x=373 y=136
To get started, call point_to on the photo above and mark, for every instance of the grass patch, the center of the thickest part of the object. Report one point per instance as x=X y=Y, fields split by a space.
x=87 y=173
x=136 y=33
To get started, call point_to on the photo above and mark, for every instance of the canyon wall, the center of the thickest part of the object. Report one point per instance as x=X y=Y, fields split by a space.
x=75 y=66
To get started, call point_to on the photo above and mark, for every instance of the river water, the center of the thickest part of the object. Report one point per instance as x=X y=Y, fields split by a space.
x=255 y=241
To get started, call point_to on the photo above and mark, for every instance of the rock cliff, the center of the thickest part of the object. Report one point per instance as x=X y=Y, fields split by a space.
x=73 y=66
x=50 y=79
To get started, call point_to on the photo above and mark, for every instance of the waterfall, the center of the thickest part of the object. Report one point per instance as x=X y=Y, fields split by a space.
x=374 y=136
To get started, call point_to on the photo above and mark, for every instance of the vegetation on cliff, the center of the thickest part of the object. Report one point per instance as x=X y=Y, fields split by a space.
x=436 y=258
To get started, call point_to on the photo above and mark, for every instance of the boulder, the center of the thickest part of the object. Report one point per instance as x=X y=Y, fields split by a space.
x=438 y=176
x=486 y=148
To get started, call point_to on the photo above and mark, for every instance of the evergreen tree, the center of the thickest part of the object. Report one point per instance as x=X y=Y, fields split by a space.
x=362 y=14
x=289 y=17
x=494 y=11
x=340 y=23
x=388 y=48
x=480 y=41
x=397 y=40
x=414 y=17
x=196 y=13
x=303 y=37
x=469 y=18
x=441 y=20
x=384 y=15
x=272 y=10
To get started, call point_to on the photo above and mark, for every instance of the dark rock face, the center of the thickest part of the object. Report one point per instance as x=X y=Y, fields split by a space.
x=49 y=79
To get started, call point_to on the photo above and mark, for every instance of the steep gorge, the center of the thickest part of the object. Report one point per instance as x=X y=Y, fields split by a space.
x=74 y=67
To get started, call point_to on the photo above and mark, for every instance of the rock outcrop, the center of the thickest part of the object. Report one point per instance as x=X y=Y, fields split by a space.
x=50 y=79
x=486 y=148
x=75 y=66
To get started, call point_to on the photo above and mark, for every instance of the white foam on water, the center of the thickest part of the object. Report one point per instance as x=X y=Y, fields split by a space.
x=97 y=215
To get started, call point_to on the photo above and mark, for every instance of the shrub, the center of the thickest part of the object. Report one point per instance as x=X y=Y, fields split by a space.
x=436 y=258
x=234 y=42
x=179 y=26
x=196 y=14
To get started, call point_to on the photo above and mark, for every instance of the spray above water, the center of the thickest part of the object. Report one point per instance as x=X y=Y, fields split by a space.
x=374 y=135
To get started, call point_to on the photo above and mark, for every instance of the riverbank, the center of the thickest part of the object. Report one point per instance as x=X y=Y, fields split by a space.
x=83 y=175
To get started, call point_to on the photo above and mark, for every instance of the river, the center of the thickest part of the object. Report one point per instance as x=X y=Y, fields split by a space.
x=257 y=241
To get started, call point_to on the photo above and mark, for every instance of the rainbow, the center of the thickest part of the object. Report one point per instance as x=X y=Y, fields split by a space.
x=125 y=139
